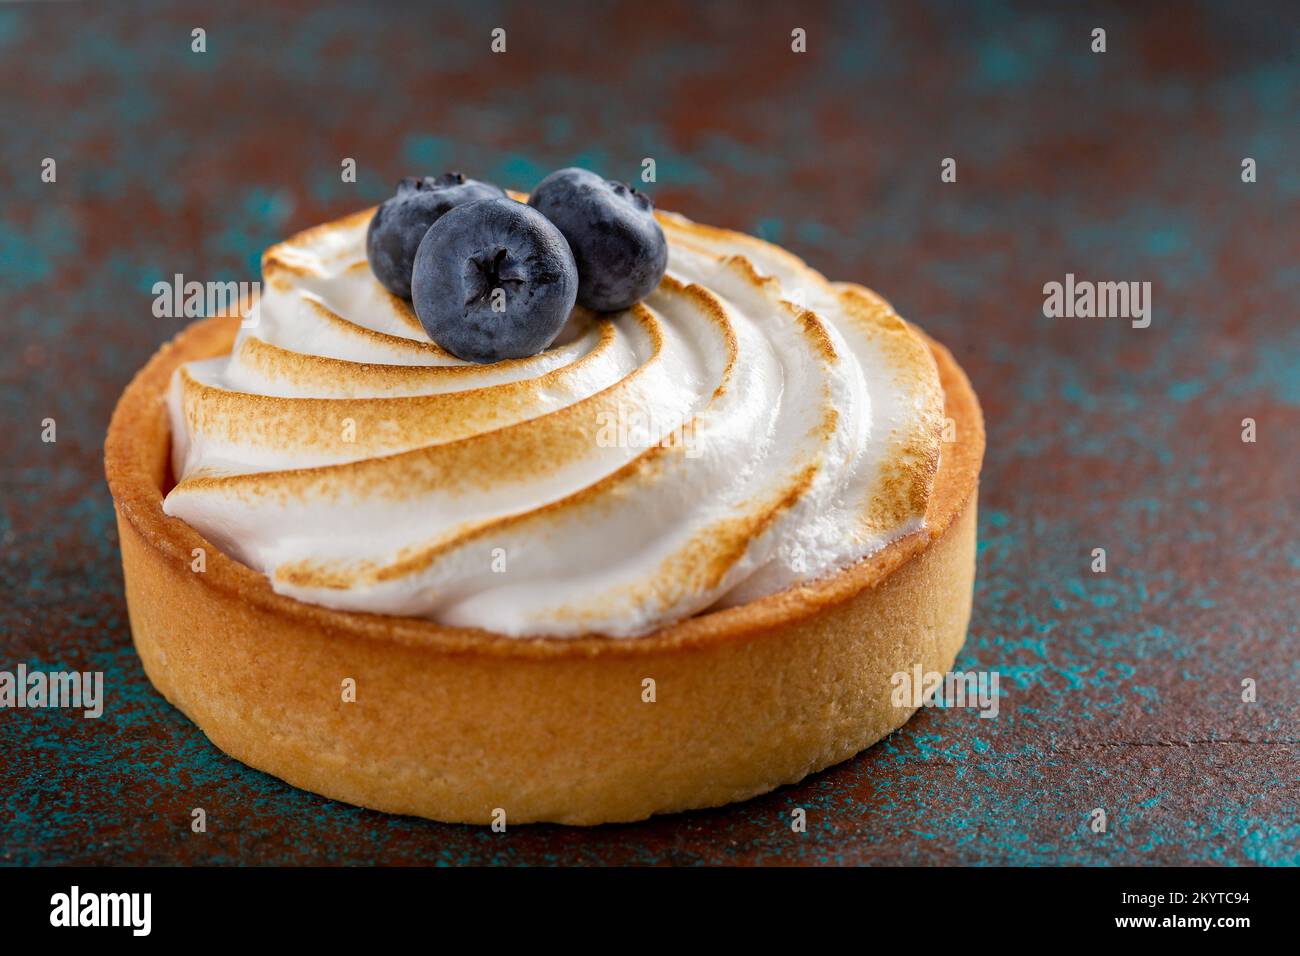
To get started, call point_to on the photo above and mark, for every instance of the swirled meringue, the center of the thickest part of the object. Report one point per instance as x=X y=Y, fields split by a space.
x=747 y=427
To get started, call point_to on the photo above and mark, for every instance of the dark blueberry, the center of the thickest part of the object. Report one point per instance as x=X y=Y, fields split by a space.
x=401 y=222
x=620 y=249
x=493 y=280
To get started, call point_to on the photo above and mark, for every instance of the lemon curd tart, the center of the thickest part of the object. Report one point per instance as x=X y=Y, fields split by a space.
x=671 y=561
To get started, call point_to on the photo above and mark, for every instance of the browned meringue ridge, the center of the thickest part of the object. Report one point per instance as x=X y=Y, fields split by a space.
x=791 y=427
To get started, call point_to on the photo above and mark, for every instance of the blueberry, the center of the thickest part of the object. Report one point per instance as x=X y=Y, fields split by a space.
x=493 y=279
x=620 y=249
x=401 y=222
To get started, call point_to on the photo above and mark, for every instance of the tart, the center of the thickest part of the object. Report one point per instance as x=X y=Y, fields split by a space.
x=312 y=503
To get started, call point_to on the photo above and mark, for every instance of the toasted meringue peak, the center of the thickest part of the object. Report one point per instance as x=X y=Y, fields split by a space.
x=748 y=427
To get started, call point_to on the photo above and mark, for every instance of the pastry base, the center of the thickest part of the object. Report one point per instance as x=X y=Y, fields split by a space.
x=468 y=726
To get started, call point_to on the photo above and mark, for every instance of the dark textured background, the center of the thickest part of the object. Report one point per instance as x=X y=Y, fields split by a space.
x=1120 y=691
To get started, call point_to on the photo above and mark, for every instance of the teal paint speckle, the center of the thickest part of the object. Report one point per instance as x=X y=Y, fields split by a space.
x=21 y=260
x=1185 y=391
x=519 y=168
x=1277 y=369
x=426 y=152
x=11 y=28
x=1001 y=65
x=1166 y=241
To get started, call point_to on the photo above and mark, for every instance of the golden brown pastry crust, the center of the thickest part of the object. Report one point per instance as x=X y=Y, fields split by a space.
x=453 y=723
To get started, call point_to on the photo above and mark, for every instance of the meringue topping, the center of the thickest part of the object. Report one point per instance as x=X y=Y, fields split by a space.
x=747 y=427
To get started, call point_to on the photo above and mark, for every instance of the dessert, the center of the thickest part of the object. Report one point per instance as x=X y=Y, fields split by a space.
x=510 y=287
x=670 y=561
x=618 y=247
x=401 y=222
